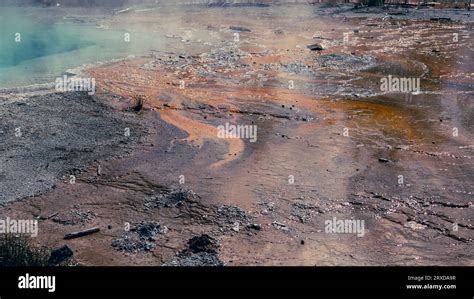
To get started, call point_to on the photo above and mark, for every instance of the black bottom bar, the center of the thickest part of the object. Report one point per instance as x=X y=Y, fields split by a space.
x=244 y=282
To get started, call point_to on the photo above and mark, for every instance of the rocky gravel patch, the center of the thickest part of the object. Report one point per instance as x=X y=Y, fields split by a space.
x=47 y=137
x=140 y=238
x=201 y=250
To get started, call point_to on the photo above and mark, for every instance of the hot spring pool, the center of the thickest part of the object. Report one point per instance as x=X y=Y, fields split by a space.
x=36 y=48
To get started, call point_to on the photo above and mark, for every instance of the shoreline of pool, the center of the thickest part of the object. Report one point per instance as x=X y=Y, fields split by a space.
x=25 y=91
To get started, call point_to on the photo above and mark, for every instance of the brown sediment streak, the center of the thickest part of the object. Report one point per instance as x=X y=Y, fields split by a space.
x=391 y=119
x=198 y=132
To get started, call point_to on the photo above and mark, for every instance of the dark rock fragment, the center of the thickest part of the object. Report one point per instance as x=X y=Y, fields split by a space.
x=315 y=47
x=239 y=28
x=60 y=255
